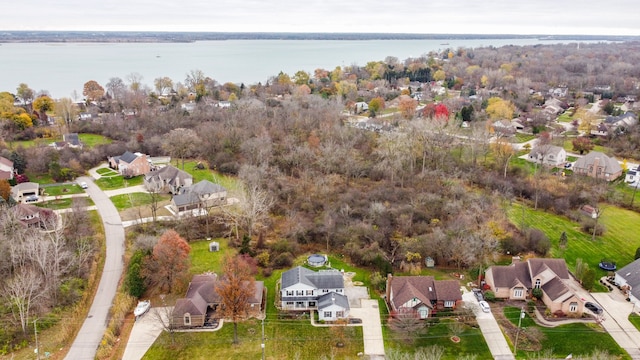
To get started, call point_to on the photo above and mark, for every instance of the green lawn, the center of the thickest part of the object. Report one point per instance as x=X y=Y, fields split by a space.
x=203 y=261
x=565 y=117
x=568 y=146
x=520 y=138
x=62 y=190
x=567 y=339
x=126 y=201
x=61 y=203
x=229 y=183
x=618 y=243
x=635 y=320
x=107 y=172
x=41 y=179
x=91 y=140
x=117 y=182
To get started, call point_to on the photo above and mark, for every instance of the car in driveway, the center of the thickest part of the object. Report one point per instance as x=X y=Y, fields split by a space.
x=485 y=306
x=596 y=309
x=84 y=185
x=478 y=294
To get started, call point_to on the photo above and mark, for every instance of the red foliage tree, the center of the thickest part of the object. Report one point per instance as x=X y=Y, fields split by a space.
x=168 y=266
x=441 y=112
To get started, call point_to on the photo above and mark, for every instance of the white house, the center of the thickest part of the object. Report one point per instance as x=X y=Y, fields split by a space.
x=303 y=289
x=632 y=176
x=549 y=155
x=628 y=278
x=332 y=307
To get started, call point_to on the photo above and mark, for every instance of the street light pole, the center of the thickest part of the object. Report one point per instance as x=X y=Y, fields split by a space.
x=515 y=346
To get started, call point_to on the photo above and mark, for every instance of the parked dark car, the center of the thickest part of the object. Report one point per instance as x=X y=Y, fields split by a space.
x=593 y=307
x=478 y=294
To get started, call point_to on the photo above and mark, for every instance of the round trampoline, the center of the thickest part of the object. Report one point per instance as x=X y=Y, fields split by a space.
x=316 y=260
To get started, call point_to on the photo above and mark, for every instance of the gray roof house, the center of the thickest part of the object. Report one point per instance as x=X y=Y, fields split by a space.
x=72 y=140
x=201 y=195
x=302 y=289
x=549 y=155
x=629 y=280
x=422 y=294
x=599 y=166
x=130 y=164
x=333 y=306
x=167 y=179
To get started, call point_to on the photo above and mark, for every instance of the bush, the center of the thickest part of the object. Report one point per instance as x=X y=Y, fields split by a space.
x=538 y=241
x=536 y=293
x=489 y=296
x=283 y=260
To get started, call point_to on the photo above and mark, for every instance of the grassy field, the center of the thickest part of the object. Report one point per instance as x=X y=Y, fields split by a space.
x=618 y=243
x=91 y=140
x=127 y=201
x=576 y=339
x=520 y=138
x=107 y=172
x=117 y=182
x=635 y=320
x=229 y=183
x=62 y=203
x=63 y=190
x=203 y=261
x=568 y=146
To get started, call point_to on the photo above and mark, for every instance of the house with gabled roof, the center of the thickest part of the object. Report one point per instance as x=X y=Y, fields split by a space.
x=201 y=302
x=549 y=155
x=302 y=289
x=167 y=179
x=35 y=216
x=423 y=294
x=201 y=195
x=628 y=278
x=598 y=165
x=516 y=282
x=72 y=140
x=130 y=164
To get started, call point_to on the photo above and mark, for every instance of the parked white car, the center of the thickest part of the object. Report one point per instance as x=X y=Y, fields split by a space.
x=485 y=306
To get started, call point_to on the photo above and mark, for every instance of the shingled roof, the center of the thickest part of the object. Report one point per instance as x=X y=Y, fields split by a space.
x=325 y=279
x=424 y=288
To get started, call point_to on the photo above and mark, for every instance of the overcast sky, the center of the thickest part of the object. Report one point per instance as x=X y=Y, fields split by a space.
x=585 y=17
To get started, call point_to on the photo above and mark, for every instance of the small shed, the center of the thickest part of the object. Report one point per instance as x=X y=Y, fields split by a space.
x=214 y=246
x=428 y=261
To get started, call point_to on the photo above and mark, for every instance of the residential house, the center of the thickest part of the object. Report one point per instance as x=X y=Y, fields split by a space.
x=361 y=107
x=35 y=216
x=201 y=195
x=549 y=155
x=600 y=130
x=6 y=169
x=628 y=278
x=198 y=308
x=516 y=282
x=623 y=122
x=632 y=176
x=25 y=190
x=504 y=128
x=130 y=164
x=599 y=166
x=167 y=179
x=423 y=294
x=302 y=289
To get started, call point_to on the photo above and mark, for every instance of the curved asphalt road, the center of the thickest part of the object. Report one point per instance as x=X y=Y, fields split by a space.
x=86 y=343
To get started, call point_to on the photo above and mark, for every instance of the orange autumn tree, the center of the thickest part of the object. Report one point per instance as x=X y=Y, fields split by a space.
x=167 y=268
x=235 y=288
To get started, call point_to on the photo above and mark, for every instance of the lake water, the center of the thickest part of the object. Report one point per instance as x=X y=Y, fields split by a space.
x=62 y=68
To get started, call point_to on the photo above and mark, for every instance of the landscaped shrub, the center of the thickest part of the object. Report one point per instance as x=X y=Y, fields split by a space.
x=489 y=296
x=536 y=293
x=283 y=260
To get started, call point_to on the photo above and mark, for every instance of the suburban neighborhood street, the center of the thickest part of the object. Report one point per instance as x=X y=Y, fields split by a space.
x=90 y=335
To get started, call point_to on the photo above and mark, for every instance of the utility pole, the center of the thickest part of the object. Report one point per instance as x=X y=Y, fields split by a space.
x=515 y=346
x=262 y=345
x=35 y=330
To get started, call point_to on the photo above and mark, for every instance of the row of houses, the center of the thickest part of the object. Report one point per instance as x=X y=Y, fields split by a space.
x=594 y=164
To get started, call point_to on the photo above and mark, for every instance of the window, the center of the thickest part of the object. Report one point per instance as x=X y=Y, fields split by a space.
x=187 y=319
x=573 y=307
x=300 y=304
x=309 y=292
x=312 y=304
x=423 y=313
x=449 y=303
x=537 y=284
x=517 y=292
x=327 y=314
x=289 y=293
x=289 y=303
x=299 y=292
x=339 y=314
x=325 y=290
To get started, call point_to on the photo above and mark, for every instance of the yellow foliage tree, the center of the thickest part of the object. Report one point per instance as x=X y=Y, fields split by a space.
x=439 y=75
x=484 y=80
x=498 y=108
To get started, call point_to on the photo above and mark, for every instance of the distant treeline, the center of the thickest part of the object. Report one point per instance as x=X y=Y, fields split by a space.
x=143 y=36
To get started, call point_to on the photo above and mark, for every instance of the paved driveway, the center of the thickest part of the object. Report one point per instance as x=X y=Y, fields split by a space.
x=94 y=326
x=144 y=333
x=490 y=329
x=616 y=321
x=369 y=312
